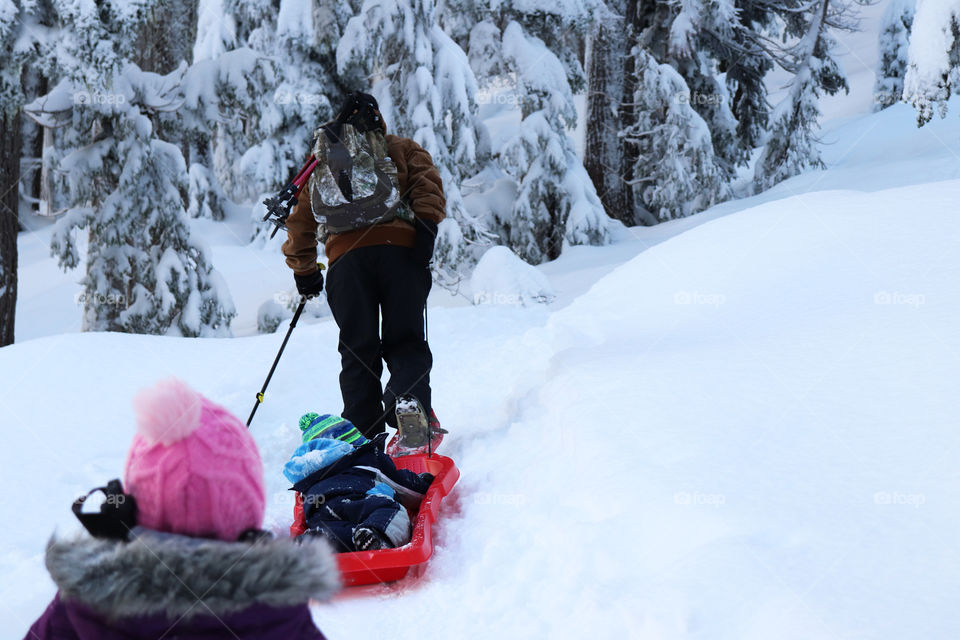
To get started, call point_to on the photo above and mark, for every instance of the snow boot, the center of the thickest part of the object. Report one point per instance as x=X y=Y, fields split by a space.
x=366 y=539
x=416 y=433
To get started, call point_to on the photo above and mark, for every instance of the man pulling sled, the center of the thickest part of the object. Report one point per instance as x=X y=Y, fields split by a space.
x=375 y=201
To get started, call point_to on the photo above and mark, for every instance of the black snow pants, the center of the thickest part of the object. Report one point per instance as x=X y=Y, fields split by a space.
x=377 y=295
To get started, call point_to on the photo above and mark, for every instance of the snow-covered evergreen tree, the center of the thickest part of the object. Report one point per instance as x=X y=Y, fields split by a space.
x=556 y=202
x=124 y=184
x=201 y=110
x=934 y=57
x=231 y=86
x=562 y=25
x=303 y=38
x=675 y=172
x=426 y=91
x=792 y=144
x=216 y=129
x=216 y=31
x=271 y=74
x=669 y=166
x=718 y=49
x=483 y=51
x=703 y=33
x=745 y=61
x=894 y=43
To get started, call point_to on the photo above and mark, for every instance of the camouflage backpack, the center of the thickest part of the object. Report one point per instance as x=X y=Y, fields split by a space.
x=354 y=184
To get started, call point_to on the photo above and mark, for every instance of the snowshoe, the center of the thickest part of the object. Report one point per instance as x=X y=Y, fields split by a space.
x=416 y=433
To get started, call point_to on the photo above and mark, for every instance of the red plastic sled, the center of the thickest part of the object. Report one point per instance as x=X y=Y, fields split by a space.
x=387 y=565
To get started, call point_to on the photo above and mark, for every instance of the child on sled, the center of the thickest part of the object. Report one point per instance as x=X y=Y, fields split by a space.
x=348 y=490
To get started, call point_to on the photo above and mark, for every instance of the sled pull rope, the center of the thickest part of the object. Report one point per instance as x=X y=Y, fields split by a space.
x=426 y=338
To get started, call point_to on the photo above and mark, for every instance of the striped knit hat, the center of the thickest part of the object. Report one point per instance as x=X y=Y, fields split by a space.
x=314 y=425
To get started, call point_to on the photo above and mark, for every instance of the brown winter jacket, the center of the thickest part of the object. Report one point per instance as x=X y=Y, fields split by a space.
x=420 y=186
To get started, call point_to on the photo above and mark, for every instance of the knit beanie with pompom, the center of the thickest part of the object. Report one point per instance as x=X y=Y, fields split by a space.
x=193 y=467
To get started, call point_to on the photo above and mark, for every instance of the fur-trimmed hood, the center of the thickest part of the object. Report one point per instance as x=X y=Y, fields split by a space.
x=160 y=573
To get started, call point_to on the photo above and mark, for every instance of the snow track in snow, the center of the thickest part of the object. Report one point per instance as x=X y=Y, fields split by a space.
x=747 y=431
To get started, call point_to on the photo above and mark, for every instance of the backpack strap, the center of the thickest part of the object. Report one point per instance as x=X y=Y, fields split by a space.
x=338 y=159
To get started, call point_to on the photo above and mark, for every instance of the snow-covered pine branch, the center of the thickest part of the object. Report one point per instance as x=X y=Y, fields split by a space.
x=894 y=42
x=933 y=70
x=675 y=172
x=123 y=185
x=792 y=145
x=426 y=91
x=556 y=202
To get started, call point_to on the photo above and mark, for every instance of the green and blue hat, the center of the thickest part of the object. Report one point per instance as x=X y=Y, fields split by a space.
x=314 y=425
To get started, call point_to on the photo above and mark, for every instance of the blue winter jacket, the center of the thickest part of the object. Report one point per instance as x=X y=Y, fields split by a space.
x=346 y=487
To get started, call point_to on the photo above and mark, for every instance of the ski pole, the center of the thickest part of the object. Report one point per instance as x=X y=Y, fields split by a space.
x=279 y=206
x=293 y=323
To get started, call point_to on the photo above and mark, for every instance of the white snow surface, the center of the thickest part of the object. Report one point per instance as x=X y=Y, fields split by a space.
x=738 y=425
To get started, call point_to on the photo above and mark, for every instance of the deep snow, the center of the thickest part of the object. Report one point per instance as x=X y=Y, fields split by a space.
x=746 y=431
x=737 y=425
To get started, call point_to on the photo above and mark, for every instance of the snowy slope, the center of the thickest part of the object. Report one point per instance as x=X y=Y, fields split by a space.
x=743 y=432
x=725 y=444
x=736 y=425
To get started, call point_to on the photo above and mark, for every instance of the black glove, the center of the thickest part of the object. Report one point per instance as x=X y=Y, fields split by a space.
x=423 y=244
x=310 y=285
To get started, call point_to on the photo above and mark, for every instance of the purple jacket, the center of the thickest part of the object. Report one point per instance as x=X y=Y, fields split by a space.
x=164 y=585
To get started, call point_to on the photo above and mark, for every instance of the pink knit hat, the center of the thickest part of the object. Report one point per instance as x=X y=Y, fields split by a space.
x=193 y=467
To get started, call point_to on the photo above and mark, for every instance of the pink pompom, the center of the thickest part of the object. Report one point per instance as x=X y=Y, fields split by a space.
x=167 y=412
